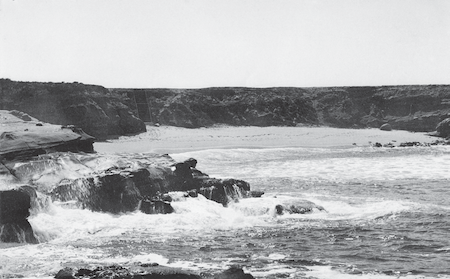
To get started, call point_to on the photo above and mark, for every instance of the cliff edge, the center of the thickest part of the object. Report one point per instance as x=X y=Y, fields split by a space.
x=417 y=108
x=95 y=109
x=104 y=113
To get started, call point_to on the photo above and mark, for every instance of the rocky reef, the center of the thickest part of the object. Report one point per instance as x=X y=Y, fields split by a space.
x=59 y=163
x=148 y=271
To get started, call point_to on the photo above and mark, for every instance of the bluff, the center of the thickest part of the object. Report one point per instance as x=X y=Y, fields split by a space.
x=98 y=111
x=103 y=112
x=417 y=108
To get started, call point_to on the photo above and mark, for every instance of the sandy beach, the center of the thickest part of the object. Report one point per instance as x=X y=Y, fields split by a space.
x=167 y=139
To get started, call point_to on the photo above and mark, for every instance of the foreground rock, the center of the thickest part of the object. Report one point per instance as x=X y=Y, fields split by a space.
x=148 y=271
x=59 y=163
x=24 y=139
x=14 y=211
x=125 y=189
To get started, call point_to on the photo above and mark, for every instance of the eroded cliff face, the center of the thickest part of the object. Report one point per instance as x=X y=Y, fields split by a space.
x=232 y=106
x=105 y=112
x=412 y=108
x=95 y=109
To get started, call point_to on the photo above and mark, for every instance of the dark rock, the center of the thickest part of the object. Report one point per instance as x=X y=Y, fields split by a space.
x=410 y=144
x=116 y=193
x=192 y=193
x=153 y=180
x=156 y=207
x=143 y=271
x=386 y=127
x=443 y=128
x=65 y=273
x=297 y=207
x=166 y=198
x=14 y=211
x=256 y=194
x=110 y=192
x=224 y=191
x=121 y=189
x=233 y=272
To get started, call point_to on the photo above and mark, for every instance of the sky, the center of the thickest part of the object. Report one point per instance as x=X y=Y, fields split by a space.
x=206 y=43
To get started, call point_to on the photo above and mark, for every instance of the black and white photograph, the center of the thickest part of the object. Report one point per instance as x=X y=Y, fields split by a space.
x=224 y=139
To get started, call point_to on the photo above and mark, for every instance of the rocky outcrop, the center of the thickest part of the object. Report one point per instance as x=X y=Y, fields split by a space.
x=297 y=207
x=443 y=128
x=148 y=271
x=14 y=211
x=95 y=109
x=417 y=108
x=26 y=144
x=113 y=183
x=126 y=182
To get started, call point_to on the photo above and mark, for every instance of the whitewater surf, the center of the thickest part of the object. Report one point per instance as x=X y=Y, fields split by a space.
x=386 y=215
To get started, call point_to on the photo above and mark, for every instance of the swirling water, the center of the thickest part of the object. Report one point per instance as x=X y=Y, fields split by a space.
x=387 y=216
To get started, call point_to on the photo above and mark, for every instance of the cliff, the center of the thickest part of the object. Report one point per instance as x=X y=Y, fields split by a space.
x=416 y=108
x=95 y=109
x=104 y=113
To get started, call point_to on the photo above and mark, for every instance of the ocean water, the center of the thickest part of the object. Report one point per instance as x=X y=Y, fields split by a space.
x=387 y=215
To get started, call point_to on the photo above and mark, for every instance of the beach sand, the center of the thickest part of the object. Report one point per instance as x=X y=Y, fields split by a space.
x=167 y=139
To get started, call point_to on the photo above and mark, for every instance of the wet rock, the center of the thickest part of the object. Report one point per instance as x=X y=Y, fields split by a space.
x=152 y=180
x=256 y=194
x=116 y=193
x=156 y=207
x=297 y=207
x=233 y=272
x=65 y=273
x=224 y=191
x=14 y=211
x=124 y=188
x=147 y=271
x=192 y=193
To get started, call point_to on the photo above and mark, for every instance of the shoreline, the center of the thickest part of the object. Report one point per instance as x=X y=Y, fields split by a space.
x=170 y=139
